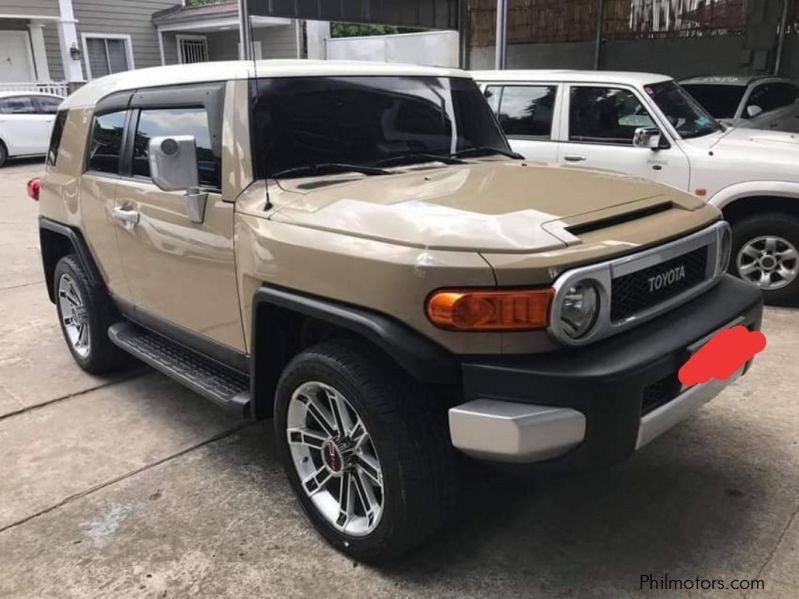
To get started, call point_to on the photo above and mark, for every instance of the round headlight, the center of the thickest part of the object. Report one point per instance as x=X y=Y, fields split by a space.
x=579 y=309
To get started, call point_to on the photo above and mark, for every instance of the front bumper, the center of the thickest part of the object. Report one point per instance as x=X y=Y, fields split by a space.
x=598 y=404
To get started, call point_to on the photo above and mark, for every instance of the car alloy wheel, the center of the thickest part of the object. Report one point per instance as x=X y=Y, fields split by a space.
x=335 y=459
x=770 y=262
x=74 y=315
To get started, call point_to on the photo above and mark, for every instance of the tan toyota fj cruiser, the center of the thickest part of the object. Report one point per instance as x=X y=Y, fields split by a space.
x=353 y=249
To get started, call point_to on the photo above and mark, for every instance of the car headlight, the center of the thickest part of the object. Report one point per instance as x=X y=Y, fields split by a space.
x=579 y=309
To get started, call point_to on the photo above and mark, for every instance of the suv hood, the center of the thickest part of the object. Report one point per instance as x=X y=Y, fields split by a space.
x=487 y=206
x=748 y=140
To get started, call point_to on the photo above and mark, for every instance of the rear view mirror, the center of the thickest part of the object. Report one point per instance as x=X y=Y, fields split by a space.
x=173 y=162
x=173 y=167
x=647 y=137
x=753 y=111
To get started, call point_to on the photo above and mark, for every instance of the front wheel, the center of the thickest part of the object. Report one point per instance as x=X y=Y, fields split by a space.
x=365 y=449
x=765 y=253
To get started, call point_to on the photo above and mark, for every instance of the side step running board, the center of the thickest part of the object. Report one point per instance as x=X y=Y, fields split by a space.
x=223 y=386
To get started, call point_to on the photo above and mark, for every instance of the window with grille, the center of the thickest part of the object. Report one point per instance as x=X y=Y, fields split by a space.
x=107 y=55
x=192 y=49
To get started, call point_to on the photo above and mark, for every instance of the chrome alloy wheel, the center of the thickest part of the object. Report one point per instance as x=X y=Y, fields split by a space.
x=73 y=315
x=335 y=459
x=769 y=262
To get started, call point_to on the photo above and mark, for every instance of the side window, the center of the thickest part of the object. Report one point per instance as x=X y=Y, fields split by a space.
x=771 y=96
x=177 y=121
x=606 y=115
x=106 y=143
x=527 y=111
x=47 y=104
x=17 y=105
x=493 y=93
x=55 y=137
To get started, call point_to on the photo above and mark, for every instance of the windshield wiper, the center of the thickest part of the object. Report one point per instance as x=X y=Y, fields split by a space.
x=416 y=158
x=329 y=168
x=486 y=151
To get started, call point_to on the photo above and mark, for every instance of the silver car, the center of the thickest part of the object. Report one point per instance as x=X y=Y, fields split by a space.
x=751 y=102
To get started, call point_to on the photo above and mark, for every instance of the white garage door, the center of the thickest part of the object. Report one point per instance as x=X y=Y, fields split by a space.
x=15 y=56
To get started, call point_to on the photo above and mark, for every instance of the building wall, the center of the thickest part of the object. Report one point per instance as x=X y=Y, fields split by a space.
x=131 y=17
x=678 y=57
x=44 y=8
x=276 y=42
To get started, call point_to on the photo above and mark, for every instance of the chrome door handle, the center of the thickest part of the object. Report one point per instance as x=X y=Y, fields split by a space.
x=574 y=158
x=126 y=216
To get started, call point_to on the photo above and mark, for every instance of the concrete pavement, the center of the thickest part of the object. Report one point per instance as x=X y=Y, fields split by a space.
x=132 y=486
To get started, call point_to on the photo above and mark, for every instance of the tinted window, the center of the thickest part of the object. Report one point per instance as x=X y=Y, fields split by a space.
x=17 y=105
x=176 y=121
x=47 y=105
x=771 y=96
x=55 y=137
x=606 y=115
x=106 y=143
x=721 y=101
x=362 y=120
x=526 y=110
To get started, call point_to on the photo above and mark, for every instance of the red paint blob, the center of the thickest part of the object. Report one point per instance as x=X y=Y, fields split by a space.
x=722 y=356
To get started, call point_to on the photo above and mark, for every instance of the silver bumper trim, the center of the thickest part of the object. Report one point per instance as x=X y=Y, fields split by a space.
x=513 y=432
x=666 y=416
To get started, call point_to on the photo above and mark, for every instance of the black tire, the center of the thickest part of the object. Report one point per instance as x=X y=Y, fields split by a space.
x=407 y=424
x=101 y=355
x=784 y=226
x=3 y=154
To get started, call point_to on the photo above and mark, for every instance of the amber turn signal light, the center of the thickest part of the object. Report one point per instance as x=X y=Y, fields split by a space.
x=519 y=310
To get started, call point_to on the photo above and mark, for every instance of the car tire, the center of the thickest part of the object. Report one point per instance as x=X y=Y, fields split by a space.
x=3 y=154
x=765 y=252
x=408 y=450
x=85 y=312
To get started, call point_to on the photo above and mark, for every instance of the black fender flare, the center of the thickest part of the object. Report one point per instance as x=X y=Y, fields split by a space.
x=420 y=357
x=50 y=255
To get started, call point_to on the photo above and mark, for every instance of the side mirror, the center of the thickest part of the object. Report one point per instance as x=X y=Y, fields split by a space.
x=647 y=137
x=754 y=111
x=173 y=167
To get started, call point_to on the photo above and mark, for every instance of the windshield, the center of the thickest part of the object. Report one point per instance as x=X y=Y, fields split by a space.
x=721 y=101
x=683 y=112
x=365 y=121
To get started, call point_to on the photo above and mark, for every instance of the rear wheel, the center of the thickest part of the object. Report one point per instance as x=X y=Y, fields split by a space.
x=365 y=449
x=765 y=253
x=3 y=154
x=85 y=313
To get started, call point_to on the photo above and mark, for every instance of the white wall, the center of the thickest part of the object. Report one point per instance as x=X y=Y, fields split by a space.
x=433 y=48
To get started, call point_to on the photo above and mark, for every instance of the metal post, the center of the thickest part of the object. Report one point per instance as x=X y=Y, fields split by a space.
x=245 y=33
x=599 y=24
x=501 y=59
x=781 y=42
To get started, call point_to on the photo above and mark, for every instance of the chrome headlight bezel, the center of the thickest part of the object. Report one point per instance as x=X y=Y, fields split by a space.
x=603 y=274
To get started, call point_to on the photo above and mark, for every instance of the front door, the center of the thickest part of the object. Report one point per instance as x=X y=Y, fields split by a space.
x=598 y=133
x=178 y=271
x=16 y=64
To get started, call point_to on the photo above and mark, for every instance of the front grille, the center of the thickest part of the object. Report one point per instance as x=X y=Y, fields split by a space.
x=660 y=393
x=641 y=290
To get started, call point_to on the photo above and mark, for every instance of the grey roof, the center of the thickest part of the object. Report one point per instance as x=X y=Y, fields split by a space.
x=182 y=14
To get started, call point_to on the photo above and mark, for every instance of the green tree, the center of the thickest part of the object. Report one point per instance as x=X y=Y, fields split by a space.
x=358 y=30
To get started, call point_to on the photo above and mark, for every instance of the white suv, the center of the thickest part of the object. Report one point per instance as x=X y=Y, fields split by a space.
x=649 y=126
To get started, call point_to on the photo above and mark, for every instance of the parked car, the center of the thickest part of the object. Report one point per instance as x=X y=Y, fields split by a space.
x=647 y=125
x=749 y=102
x=353 y=250
x=26 y=120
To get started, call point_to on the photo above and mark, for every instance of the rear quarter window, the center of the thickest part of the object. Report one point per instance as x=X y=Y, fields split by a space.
x=55 y=137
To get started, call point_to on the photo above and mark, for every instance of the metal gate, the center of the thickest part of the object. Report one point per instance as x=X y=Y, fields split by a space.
x=192 y=48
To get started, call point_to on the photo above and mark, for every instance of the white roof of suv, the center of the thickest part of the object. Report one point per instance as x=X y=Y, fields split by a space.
x=623 y=77
x=92 y=92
